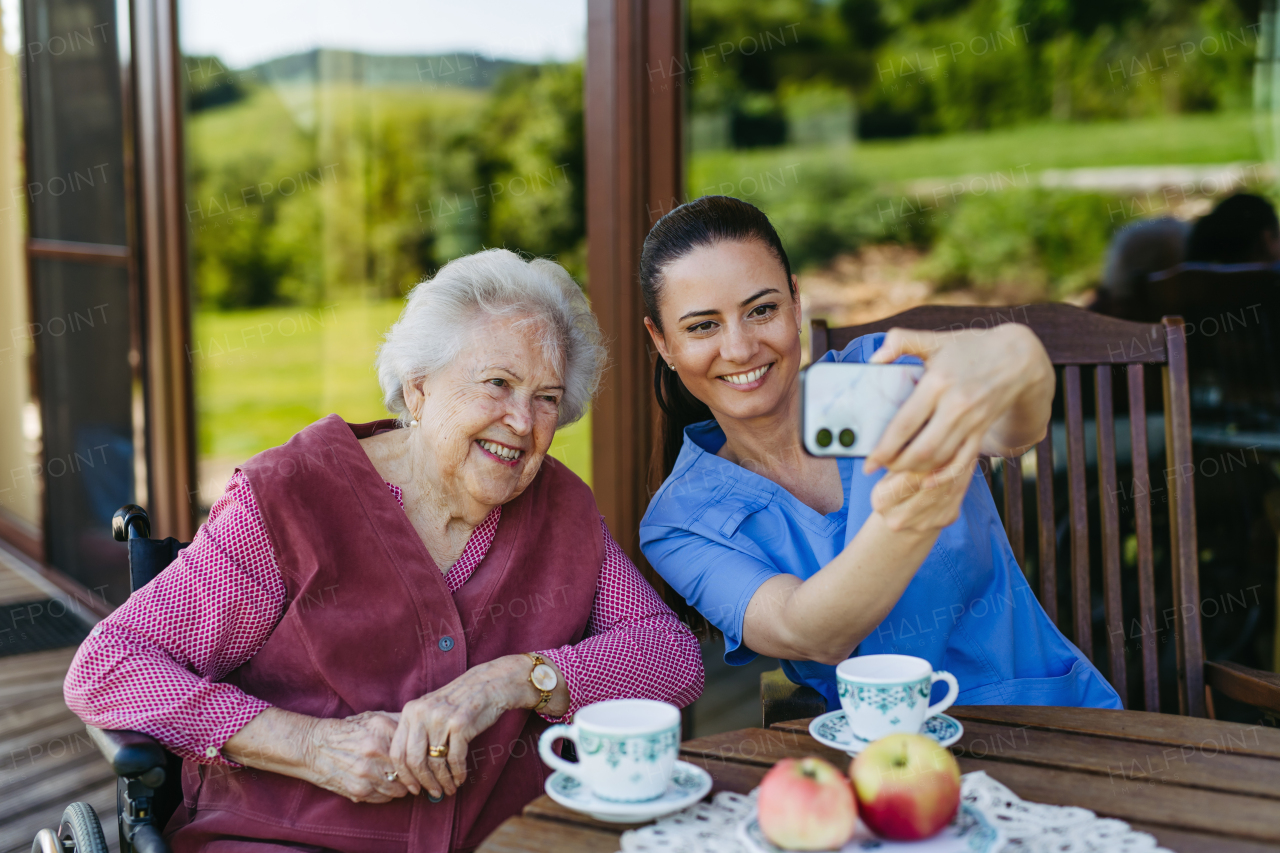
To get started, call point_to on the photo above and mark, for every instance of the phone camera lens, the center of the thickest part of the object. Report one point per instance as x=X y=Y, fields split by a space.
x=824 y=437
x=846 y=438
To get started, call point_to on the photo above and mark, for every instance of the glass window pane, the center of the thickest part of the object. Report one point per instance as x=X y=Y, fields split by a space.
x=984 y=152
x=971 y=151
x=19 y=418
x=81 y=331
x=76 y=186
x=338 y=154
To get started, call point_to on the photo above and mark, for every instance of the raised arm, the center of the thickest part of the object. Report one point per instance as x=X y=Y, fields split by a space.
x=987 y=391
x=824 y=618
x=761 y=608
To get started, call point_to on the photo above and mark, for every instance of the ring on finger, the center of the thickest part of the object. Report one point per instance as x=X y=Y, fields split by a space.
x=437 y=751
x=391 y=776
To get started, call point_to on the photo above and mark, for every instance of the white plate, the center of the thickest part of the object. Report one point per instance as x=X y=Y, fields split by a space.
x=969 y=832
x=689 y=784
x=832 y=729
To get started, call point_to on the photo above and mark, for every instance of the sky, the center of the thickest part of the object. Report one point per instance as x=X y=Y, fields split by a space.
x=245 y=32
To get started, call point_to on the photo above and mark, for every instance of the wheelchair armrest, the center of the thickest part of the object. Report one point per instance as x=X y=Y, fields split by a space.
x=1245 y=684
x=782 y=700
x=132 y=755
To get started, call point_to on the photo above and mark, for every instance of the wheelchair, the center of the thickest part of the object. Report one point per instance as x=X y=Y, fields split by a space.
x=149 y=786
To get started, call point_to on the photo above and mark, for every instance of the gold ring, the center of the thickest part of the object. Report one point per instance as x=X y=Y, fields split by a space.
x=437 y=751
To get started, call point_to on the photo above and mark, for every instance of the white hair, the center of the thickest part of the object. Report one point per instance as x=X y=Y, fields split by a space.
x=439 y=313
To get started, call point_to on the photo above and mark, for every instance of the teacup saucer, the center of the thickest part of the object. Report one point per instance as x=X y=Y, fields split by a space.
x=832 y=729
x=689 y=784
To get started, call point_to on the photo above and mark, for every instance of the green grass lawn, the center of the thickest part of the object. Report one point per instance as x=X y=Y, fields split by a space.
x=1171 y=140
x=264 y=374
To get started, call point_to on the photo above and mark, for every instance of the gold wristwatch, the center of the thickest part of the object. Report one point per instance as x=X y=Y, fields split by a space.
x=543 y=678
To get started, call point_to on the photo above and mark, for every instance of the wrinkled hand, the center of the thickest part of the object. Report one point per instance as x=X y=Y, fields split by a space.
x=351 y=757
x=451 y=716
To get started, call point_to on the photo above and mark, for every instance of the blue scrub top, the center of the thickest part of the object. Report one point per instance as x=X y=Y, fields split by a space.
x=716 y=531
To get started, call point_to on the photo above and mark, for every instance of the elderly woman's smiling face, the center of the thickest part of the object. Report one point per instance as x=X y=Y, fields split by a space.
x=488 y=418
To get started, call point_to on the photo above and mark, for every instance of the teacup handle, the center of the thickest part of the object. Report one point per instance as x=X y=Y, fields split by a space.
x=555 y=762
x=947 y=701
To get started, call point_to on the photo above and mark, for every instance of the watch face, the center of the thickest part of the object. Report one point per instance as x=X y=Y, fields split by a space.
x=544 y=677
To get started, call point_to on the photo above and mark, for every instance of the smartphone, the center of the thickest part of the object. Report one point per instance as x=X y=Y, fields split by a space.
x=846 y=407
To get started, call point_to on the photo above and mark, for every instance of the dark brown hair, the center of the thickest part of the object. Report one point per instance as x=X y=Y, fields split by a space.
x=706 y=221
x=1235 y=232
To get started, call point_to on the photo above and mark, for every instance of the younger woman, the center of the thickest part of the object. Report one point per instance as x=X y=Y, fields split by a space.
x=812 y=560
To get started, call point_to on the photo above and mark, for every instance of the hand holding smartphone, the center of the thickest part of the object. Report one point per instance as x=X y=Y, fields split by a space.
x=845 y=407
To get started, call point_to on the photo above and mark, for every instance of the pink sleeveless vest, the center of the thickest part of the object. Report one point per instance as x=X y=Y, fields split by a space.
x=370 y=624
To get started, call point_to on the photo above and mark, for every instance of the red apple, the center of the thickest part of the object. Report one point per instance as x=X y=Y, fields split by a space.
x=806 y=804
x=908 y=787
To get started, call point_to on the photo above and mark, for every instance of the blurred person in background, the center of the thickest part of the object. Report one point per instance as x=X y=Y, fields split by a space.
x=1243 y=229
x=1135 y=252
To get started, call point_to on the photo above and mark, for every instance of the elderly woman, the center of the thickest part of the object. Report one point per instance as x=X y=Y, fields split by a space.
x=361 y=646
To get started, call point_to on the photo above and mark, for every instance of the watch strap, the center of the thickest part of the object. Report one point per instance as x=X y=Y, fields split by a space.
x=538 y=661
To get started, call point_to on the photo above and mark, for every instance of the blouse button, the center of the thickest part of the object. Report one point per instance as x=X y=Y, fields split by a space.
x=211 y=752
x=446 y=643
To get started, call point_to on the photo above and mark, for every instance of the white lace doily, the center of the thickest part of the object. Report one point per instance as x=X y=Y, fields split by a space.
x=1029 y=827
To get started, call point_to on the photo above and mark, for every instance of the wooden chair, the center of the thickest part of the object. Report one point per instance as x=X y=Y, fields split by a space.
x=1077 y=340
x=1232 y=313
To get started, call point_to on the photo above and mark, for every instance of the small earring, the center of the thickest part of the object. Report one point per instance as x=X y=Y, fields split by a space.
x=671 y=365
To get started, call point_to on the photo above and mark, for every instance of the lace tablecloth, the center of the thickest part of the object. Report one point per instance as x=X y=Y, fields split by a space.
x=1028 y=827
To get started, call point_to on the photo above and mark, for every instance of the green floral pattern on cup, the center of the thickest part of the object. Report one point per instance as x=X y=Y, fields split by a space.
x=884 y=697
x=645 y=749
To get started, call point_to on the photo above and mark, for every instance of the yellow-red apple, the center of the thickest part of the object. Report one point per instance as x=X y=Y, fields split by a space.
x=806 y=804
x=908 y=786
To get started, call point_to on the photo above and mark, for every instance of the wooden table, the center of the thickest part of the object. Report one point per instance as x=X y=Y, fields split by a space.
x=1196 y=785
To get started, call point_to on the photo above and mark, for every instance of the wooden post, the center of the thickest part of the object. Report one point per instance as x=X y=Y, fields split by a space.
x=162 y=231
x=634 y=142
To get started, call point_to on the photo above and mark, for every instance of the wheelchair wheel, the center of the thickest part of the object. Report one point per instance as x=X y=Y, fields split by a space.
x=80 y=831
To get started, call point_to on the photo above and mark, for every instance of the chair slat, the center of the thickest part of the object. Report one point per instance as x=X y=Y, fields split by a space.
x=1182 y=528
x=1013 y=521
x=1048 y=532
x=1077 y=508
x=1071 y=335
x=1110 y=511
x=1074 y=339
x=1142 y=525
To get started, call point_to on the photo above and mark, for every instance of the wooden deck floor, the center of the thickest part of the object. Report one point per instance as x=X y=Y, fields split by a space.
x=46 y=759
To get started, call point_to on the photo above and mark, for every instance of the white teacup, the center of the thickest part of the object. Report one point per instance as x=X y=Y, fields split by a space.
x=626 y=748
x=889 y=694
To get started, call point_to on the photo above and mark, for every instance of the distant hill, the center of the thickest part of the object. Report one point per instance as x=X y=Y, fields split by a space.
x=468 y=70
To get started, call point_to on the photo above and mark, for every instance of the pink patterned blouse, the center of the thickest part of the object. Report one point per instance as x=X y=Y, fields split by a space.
x=155 y=665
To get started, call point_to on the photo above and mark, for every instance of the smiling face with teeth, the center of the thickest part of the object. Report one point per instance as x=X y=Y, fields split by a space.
x=487 y=421
x=732 y=328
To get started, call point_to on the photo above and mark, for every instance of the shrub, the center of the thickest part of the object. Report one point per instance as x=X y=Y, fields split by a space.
x=1045 y=243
